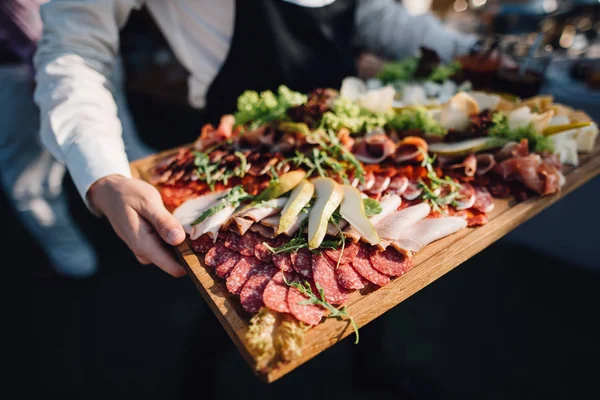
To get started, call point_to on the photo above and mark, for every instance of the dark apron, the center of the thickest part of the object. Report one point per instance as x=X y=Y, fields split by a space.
x=275 y=42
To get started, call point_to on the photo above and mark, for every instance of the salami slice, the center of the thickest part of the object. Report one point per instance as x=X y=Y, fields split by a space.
x=348 y=278
x=244 y=244
x=263 y=253
x=350 y=251
x=222 y=259
x=243 y=270
x=362 y=265
x=202 y=244
x=310 y=314
x=251 y=295
x=275 y=294
x=390 y=262
x=324 y=275
x=302 y=262
x=283 y=262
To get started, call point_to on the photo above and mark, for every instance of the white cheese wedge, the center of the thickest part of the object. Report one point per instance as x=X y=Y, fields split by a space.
x=565 y=146
x=586 y=138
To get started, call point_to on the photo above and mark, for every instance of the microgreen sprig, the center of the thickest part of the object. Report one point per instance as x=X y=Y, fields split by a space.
x=432 y=191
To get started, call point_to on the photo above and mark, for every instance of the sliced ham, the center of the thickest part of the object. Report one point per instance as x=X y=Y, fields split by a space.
x=374 y=148
x=393 y=226
x=468 y=165
x=191 y=209
x=417 y=236
x=398 y=184
x=466 y=197
x=412 y=191
x=244 y=219
x=389 y=204
x=485 y=163
x=212 y=224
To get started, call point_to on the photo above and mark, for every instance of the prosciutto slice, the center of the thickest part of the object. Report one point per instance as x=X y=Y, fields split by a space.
x=212 y=224
x=411 y=148
x=389 y=204
x=191 y=209
x=391 y=228
x=468 y=165
x=211 y=136
x=374 y=148
x=485 y=163
x=242 y=222
x=420 y=234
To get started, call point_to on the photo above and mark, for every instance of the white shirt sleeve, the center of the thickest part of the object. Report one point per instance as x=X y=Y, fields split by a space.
x=388 y=29
x=79 y=122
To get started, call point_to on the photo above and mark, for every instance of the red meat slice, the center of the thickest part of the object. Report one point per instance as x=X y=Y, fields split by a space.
x=390 y=262
x=324 y=276
x=283 y=262
x=222 y=259
x=362 y=265
x=302 y=262
x=310 y=314
x=350 y=251
x=275 y=294
x=243 y=270
x=348 y=278
x=251 y=295
x=244 y=244
x=203 y=244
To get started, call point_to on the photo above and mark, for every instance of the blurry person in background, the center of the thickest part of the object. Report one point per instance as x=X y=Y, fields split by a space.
x=31 y=177
x=227 y=46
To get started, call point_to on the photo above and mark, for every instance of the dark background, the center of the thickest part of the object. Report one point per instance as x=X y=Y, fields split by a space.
x=518 y=321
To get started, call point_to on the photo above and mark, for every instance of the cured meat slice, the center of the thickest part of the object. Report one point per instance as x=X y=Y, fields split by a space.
x=324 y=276
x=275 y=294
x=302 y=262
x=362 y=265
x=389 y=204
x=263 y=253
x=243 y=270
x=310 y=314
x=243 y=244
x=397 y=222
x=381 y=184
x=191 y=209
x=466 y=197
x=212 y=224
x=222 y=259
x=417 y=236
x=412 y=191
x=483 y=200
x=251 y=295
x=203 y=244
x=390 y=262
x=398 y=184
x=349 y=278
x=283 y=262
x=350 y=251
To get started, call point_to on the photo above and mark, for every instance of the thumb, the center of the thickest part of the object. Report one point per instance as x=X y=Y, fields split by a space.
x=167 y=226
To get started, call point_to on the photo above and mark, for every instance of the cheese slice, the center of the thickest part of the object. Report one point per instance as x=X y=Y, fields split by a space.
x=586 y=138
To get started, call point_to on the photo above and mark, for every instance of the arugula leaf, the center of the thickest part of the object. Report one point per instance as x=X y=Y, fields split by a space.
x=501 y=129
x=372 y=207
x=233 y=198
x=436 y=185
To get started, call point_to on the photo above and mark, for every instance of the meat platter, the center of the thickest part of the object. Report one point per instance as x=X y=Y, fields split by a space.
x=310 y=215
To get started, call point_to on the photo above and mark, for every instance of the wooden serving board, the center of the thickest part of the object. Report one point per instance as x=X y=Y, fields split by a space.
x=431 y=263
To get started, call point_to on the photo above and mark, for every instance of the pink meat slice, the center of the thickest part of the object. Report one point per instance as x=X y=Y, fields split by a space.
x=362 y=265
x=350 y=251
x=349 y=278
x=302 y=262
x=203 y=244
x=310 y=314
x=276 y=292
x=390 y=262
x=283 y=262
x=243 y=270
x=222 y=259
x=251 y=295
x=324 y=276
x=244 y=244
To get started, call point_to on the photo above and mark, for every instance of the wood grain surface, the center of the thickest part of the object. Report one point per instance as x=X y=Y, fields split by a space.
x=431 y=263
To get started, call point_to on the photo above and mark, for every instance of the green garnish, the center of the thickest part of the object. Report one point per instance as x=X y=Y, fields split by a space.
x=500 y=128
x=258 y=109
x=416 y=118
x=403 y=70
x=444 y=72
x=339 y=313
x=233 y=198
x=372 y=207
x=346 y=113
x=204 y=169
x=436 y=186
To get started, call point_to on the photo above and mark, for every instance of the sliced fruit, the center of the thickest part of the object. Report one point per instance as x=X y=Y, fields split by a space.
x=466 y=147
x=352 y=210
x=554 y=129
x=284 y=184
x=455 y=113
x=329 y=197
x=299 y=198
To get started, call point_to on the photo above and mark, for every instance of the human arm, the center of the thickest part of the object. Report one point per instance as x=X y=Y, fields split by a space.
x=386 y=28
x=80 y=126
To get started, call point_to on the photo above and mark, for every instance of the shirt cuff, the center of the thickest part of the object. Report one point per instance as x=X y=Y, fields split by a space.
x=91 y=159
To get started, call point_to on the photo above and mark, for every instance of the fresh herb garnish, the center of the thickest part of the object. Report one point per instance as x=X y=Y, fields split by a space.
x=233 y=198
x=438 y=192
x=416 y=118
x=500 y=128
x=372 y=207
x=258 y=109
x=339 y=313
x=204 y=168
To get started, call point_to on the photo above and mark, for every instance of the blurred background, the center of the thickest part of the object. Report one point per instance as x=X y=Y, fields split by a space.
x=518 y=321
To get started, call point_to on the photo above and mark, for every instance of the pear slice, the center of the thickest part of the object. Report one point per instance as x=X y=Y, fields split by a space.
x=284 y=184
x=299 y=198
x=329 y=197
x=466 y=146
x=352 y=210
x=554 y=129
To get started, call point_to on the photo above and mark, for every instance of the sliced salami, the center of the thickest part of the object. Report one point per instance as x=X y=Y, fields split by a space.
x=348 y=278
x=275 y=294
x=390 y=262
x=243 y=270
x=263 y=253
x=310 y=314
x=362 y=265
x=302 y=262
x=350 y=251
x=202 y=244
x=222 y=259
x=283 y=262
x=244 y=244
x=251 y=295
x=324 y=276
